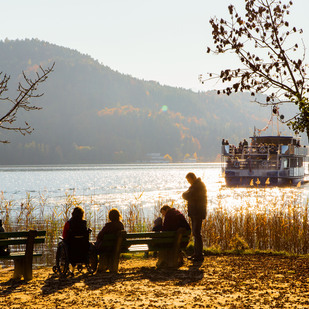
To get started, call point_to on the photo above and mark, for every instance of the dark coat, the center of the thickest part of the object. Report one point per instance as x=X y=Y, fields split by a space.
x=174 y=220
x=112 y=227
x=196 y=196
x=157 y=225
x=74 y=227
x=77 y=238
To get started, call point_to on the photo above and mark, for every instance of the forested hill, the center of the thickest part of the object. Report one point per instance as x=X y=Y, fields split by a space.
x=92 y=114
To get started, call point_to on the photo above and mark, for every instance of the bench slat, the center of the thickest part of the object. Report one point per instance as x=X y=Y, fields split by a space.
x=160 y=235
x=137 y=241
x=151 y=242
x=20 y=234
x=138 y=248
x=17 y=255
x=170 y=234
x=20 y=241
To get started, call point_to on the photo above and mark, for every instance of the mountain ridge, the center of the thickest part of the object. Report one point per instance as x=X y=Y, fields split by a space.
x=93 y=114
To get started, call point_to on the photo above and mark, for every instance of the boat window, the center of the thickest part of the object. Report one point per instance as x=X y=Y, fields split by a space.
x=284 y=149
x=285 y=163
x=296 y=162
x=293 y=162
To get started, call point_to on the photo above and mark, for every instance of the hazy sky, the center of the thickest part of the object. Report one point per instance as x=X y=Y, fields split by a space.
x=161 y=40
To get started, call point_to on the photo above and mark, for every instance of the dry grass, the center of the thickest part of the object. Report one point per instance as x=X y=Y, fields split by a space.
x=261 y=220
x=258 y=219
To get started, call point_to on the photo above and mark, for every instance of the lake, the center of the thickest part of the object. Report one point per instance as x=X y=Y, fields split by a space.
x=121 y=185
x=111 y=185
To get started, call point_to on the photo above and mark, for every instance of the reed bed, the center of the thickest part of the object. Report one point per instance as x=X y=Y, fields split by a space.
x=263 y=219
x=257 y=219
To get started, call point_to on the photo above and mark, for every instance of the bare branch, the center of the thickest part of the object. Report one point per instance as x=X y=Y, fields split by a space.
x=23 y=101
x=262 y=40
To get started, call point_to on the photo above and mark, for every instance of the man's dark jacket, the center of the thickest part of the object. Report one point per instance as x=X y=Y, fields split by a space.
x=174 y=220
x=196 y=196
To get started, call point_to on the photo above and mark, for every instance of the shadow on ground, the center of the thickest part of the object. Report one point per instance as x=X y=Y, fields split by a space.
x=180 y=277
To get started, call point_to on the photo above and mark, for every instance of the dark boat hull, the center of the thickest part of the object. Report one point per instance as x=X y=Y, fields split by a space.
x=261 y=181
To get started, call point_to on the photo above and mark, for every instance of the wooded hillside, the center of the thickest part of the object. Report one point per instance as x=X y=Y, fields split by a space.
x=92 y=114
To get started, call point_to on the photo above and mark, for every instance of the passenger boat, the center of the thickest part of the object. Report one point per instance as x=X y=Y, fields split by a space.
x=265 y=160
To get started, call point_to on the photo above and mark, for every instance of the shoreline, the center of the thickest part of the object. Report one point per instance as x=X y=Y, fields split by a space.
x=231 y=281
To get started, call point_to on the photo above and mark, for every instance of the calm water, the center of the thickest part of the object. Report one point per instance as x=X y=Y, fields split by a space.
x=122 y=185
x=112 y=185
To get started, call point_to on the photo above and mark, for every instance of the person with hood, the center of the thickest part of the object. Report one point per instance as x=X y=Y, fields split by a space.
x=173 y=219
x=196 y=197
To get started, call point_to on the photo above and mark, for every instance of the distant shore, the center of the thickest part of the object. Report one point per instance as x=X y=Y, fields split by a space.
x=254 y=281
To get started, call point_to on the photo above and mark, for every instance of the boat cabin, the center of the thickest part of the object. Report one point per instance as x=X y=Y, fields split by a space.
x=272 y=159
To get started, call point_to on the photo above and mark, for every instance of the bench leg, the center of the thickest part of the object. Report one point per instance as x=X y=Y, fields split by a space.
x=172 y=257
x=103 y=263
x=29 y=255
x=21 y=269
x=108 y=262
x=18 y=268
x=27 y=271
x=163 y=258
x=169 y=258
x=114 y=263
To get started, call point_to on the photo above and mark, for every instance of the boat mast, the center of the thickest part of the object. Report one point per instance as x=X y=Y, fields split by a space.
x=274 y=111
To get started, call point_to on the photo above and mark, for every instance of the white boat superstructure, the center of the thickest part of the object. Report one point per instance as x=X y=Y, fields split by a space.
x=265 y=160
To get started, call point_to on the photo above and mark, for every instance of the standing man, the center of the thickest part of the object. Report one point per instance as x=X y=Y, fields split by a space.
x=196 y=196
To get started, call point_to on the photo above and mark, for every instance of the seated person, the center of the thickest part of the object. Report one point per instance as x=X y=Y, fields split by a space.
x=76 y=235
x=173 y=219
x=157 y=225
x=112 y=227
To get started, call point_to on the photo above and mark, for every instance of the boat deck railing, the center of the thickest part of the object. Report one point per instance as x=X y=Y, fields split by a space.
x=264 y=150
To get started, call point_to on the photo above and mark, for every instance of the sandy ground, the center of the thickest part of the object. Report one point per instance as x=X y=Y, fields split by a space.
x=219 y=282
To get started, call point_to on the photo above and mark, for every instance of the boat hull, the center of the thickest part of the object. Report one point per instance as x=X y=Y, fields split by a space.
x=255 y=181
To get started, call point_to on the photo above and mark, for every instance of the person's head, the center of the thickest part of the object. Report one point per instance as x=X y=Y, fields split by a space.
x=78 y=213
x=157 y=222
x=114 y=215
x=190 y=178
x=164 y=209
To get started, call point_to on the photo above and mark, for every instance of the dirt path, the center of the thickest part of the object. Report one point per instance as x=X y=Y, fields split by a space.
x=220 y=282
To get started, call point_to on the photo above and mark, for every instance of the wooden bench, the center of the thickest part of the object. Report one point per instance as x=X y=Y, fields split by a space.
x=167 y=244
x=22 y=259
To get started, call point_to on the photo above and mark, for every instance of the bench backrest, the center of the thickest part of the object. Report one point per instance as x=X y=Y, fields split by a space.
x=153 y=240
x=20 y=238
